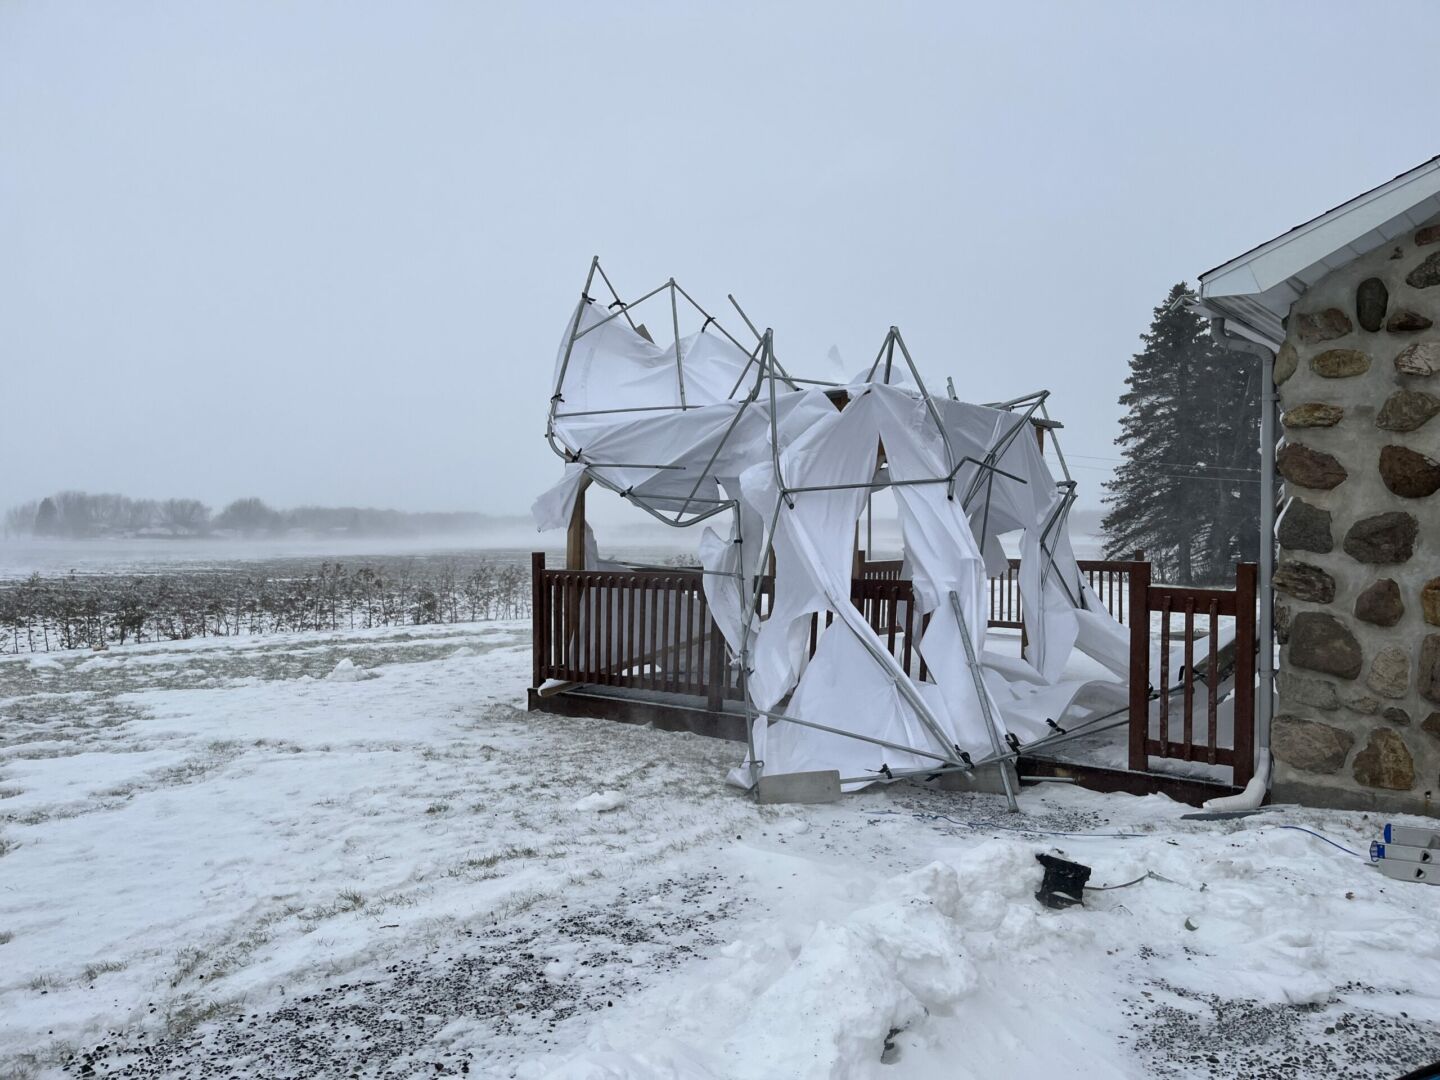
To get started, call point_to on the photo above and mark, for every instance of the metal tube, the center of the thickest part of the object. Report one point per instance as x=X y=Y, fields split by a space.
x=930 y=405
x=768 y=358
x=753 y=606
x=570 y=345
x=880 y=485
x=1055 y=442
x=626 y=409
x=978 y=677
x=708 y=317
x=778 y=366
x=998 y=450
x=1007 y=405
x=754 y=357
x=675 y=321
x=870 y=377
x=863 y=738
x=628 y=465
x=901 y=774
x=750 y=400
x=624 y=310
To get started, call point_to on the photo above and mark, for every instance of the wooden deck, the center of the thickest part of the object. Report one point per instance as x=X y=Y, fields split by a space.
x=639 y=646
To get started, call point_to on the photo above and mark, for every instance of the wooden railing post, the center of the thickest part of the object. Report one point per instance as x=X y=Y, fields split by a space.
x=539 y=616
x=1139 y=664
x=717 y=672
x=1244 y=764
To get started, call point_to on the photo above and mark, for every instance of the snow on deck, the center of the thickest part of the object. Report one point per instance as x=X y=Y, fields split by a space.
x=352 y=854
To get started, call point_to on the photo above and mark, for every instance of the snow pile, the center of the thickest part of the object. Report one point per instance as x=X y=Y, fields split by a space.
x=346 y=671
x=597 y=802
x=956 y=970
x=885 y=968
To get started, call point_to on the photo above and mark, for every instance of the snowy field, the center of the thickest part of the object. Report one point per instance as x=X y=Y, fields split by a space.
x=338 y=855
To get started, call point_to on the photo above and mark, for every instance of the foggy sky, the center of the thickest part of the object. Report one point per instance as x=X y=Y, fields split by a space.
x=324 y=252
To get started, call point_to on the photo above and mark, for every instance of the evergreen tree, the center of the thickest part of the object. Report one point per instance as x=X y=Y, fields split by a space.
x=1188 y=491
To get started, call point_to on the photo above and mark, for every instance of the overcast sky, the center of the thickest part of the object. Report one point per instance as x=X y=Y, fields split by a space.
x=323 y=252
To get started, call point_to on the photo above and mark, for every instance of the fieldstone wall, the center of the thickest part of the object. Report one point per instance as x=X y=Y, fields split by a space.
x=1357 y=583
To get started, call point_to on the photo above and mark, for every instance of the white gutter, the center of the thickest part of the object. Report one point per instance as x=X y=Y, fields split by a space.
x=1269 y=403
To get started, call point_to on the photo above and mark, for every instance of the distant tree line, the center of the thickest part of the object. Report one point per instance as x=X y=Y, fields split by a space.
x=73 y=611
x=82 y=515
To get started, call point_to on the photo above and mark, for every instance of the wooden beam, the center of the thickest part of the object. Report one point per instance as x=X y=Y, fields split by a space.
x=575 y=535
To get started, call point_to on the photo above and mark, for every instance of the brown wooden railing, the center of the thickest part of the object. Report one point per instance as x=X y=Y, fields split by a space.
x=1236 y=660
x=643 y=629
x=651 y=630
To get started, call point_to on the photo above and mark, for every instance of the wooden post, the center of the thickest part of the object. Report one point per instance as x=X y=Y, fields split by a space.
x=1244 y=767
x=539 y=616
x=1139 y=664
x=575 y=535
x=718 y=670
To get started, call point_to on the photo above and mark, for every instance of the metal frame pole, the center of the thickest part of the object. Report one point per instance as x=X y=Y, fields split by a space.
x=978 y=677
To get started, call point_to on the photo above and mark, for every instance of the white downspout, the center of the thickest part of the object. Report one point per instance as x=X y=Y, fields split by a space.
x=1254 y=792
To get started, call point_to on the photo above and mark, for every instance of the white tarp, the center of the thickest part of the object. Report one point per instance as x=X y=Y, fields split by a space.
x=688 y=437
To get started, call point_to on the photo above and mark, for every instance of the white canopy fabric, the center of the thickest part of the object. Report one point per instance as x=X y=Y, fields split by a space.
x=701 y=428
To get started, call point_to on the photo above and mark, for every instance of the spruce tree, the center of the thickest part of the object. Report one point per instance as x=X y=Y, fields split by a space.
x=1187 y=492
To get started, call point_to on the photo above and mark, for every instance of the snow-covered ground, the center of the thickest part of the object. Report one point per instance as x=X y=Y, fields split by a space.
x=353 y=854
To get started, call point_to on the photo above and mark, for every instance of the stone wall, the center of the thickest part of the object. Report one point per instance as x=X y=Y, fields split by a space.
x=1358 y=578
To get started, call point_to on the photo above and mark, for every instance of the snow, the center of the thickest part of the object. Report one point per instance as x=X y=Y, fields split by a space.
x=600 y=801
x=345 y=671
x=212 y=851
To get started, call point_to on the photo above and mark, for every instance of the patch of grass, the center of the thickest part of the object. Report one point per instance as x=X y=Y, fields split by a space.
x=40 y=983
x=437 y=808
x=187 y=1014
x=7 y=845
x=350 y=900
x=187 y=962
x=482 y=863
x=104 y=967
x=6 y=936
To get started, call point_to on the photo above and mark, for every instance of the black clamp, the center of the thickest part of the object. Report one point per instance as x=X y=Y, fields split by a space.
x=708 y=320
x=620 y=304
x=1058 y=729
x=1012 y=741
x=885 y=769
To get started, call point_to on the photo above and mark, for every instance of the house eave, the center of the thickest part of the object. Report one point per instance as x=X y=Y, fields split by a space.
x=1257 y=289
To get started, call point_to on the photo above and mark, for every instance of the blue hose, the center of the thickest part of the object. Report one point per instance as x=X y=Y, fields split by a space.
x=1318 y=836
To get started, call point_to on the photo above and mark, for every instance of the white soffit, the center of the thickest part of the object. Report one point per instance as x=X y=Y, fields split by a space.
x=1257 y=288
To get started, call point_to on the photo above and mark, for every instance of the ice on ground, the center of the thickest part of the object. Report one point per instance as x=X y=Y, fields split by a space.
x=598 y=802
x=211 y=853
